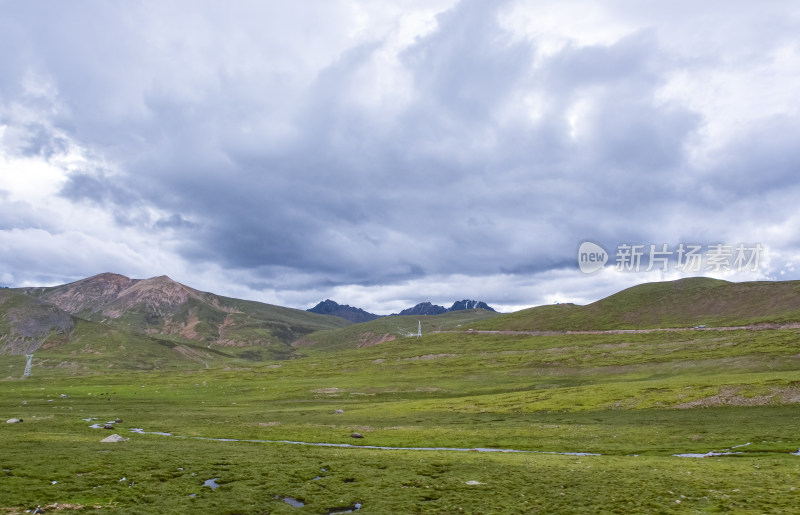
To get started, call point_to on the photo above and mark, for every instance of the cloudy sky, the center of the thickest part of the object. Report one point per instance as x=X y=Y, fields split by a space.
x=386 y=153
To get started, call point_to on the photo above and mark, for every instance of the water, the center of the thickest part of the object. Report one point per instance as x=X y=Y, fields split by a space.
x=725 y=452
x=98 y=425
x=291 y=501
x=348 y=509
x=711 y=454
x=379 y=447
x=212 y=483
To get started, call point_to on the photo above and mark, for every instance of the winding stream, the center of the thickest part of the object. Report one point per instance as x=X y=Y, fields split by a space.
x=351 y=446
x=725 y=452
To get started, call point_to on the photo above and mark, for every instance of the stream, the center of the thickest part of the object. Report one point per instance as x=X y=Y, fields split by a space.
x=725 y=452
x=351 y=446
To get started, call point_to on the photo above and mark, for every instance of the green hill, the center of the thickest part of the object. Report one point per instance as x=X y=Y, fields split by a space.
x=390 y=328
x=682 y=303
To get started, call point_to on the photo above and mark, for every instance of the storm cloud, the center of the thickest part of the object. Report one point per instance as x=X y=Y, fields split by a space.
x=420 y=151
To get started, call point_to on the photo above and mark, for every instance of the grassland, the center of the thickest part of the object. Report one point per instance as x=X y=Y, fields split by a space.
x=635 y=400
x=682 y=303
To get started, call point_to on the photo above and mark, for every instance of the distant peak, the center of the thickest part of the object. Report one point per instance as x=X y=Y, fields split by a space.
x=325 y=307
x=108 y=277
x=161 y=278
x=353 y=314
x=470 y=304
x=423 y=309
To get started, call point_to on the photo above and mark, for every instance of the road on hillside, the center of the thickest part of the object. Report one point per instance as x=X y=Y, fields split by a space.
x=752 y=327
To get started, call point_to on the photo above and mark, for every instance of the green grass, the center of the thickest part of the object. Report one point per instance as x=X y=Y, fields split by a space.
x=681 y=303
x=390 y=328
x=635 y=399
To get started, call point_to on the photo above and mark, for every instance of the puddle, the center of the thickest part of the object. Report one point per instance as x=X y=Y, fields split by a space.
x=99 y=425
x=140 y=431
x=291 y=501
x=212 y=483
x=346 y=509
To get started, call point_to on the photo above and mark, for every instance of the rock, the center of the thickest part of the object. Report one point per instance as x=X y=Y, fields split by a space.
x=356 y=435
x=14 y=421
x=338 y=411
x=118 y=421
x=113 y=439
x=108 y=426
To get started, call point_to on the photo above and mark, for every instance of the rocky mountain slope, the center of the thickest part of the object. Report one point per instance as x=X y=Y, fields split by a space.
x=160 y=306
x=26 y=322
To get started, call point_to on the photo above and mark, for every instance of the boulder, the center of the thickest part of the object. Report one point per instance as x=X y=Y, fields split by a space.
x=338 y=411
x=113 y=439
x=14 y=420
x=356 y=435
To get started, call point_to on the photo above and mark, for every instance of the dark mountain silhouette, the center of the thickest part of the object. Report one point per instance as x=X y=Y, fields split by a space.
x=423 y=309
x=355 y=315
x=470 y=304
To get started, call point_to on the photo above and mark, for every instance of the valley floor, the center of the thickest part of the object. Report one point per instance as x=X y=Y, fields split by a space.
x=602 y=416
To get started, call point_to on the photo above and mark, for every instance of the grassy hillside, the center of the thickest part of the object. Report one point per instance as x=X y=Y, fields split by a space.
x=681 y=303
x=390 y=328
x=92 y=348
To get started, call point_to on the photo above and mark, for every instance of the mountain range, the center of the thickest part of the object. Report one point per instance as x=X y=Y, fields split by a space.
x=358 y=315
x=110 y=320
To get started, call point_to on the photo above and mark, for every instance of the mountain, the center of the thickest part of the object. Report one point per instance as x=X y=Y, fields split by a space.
x=62 y=342
x=355 y=315
x=26 y=322
x=172 y=311
x=469 y=304
x=683 y=303
x=427 y=309
x=422 y=309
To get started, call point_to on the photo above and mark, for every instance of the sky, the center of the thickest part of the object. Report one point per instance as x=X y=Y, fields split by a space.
x=382 y=154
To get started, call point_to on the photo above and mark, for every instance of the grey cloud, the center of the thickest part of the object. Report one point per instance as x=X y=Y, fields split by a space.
x=469 y=63
x=97 y=188
x=260 y=162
